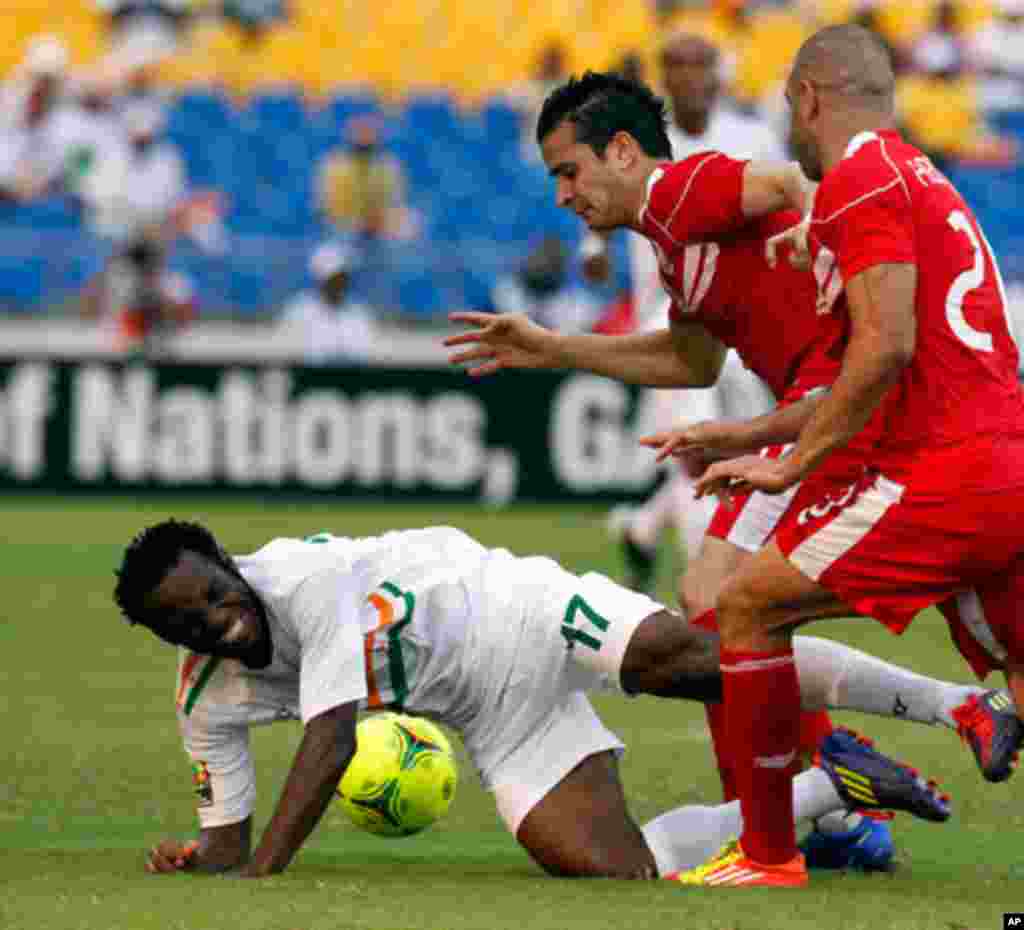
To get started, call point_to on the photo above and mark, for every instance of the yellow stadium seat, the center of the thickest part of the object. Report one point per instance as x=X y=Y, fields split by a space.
x=772 y=41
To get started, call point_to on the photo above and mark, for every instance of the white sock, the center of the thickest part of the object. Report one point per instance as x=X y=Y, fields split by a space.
x=833 y=675
x=688 y=836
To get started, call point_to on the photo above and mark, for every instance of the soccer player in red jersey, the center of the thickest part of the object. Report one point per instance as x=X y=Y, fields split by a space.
x=724 y=294
x=929 y=350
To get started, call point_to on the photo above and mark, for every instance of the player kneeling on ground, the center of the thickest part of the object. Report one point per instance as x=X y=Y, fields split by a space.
x=503 y=649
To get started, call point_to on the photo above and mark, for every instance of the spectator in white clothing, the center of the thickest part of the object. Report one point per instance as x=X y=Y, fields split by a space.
x=547 y=290
x=329 y=325
x=45 y=140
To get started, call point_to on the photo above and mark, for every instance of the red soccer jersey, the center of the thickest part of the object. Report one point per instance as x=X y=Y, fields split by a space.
x=698 y=198
x=886 y=203
x=768 y=315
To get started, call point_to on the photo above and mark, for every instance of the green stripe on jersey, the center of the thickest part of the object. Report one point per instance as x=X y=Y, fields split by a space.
x=396 y=665
x=201 y=682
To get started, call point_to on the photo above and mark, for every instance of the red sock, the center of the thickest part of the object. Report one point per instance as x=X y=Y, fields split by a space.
x=762 y=710
x=815 y=725
x=715 y=714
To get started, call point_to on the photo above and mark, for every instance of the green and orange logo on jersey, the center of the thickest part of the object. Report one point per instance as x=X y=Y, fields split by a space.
x=201 y=783
x=394 y=608
x=193 y=676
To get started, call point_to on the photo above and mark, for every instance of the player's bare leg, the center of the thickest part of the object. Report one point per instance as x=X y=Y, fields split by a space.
x=583 y=828
x=668 y=657
x=707 y=572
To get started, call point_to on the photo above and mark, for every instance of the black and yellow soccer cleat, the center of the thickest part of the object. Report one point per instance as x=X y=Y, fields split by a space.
x=868 y=780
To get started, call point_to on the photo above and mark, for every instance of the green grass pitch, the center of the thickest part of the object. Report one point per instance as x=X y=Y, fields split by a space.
x=93 y=771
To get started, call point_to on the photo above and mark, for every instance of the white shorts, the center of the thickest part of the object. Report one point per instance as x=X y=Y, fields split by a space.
x=545 y=637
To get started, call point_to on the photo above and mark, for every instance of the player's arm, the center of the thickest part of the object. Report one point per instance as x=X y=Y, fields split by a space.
x=328 y=744
x=682 y=358
x=769 y=186
x=881 y=345
x=717 y=439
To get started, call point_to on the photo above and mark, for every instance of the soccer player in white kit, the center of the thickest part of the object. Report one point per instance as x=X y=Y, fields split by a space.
x=502 y=649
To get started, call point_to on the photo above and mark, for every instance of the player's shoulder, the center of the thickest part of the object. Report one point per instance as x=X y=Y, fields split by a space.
x=869 y=170
x=279 y=567
x=672 y=181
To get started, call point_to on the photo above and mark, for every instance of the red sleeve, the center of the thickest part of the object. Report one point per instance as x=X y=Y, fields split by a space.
x=698 y=198
x=862 y=213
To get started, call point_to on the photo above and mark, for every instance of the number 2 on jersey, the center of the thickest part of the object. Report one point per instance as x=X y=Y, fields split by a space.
x=969 y=280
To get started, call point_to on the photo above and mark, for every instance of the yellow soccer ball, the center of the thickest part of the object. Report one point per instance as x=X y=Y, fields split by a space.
x=402 y=777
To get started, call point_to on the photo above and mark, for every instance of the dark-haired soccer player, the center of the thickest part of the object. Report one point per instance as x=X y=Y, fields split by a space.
x=503 y=649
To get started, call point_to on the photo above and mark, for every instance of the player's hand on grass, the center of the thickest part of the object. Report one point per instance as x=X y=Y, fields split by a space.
x=171 y=856
x=795 y=240
x=743 y=474
x=501 y=340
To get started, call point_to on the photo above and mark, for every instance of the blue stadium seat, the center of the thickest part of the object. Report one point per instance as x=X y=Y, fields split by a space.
x=282 y=110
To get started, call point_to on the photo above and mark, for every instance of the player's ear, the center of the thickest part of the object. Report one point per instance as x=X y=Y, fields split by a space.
x=809 y=99
x=624 y=149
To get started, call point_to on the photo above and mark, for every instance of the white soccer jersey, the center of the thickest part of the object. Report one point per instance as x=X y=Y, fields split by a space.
x=378 y=620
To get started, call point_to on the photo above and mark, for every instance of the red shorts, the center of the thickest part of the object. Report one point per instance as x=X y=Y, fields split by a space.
x=749 y=520
x=889 y=550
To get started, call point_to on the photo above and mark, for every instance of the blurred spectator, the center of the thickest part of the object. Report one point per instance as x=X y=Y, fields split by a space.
x=528 y=97
x=135 y=325
x=330 y=326
x=146 y=30
x=134 y=193
x=361 y=189
x=942 y=50
x=998 y=55
x=691 y=73
x=44 y=139
x=939 y=103
x=254 y=17
x=546 y=290
x=138 y=199
x=616 y=315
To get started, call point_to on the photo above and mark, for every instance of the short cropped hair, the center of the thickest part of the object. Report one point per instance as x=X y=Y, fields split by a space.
x=603 y=103
x=153 y=553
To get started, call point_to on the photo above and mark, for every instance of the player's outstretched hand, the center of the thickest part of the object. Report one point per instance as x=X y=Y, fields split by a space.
x=794 y=239
x=171 y=856
x=746 y=473
x=703 y=442
x=501 y=340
